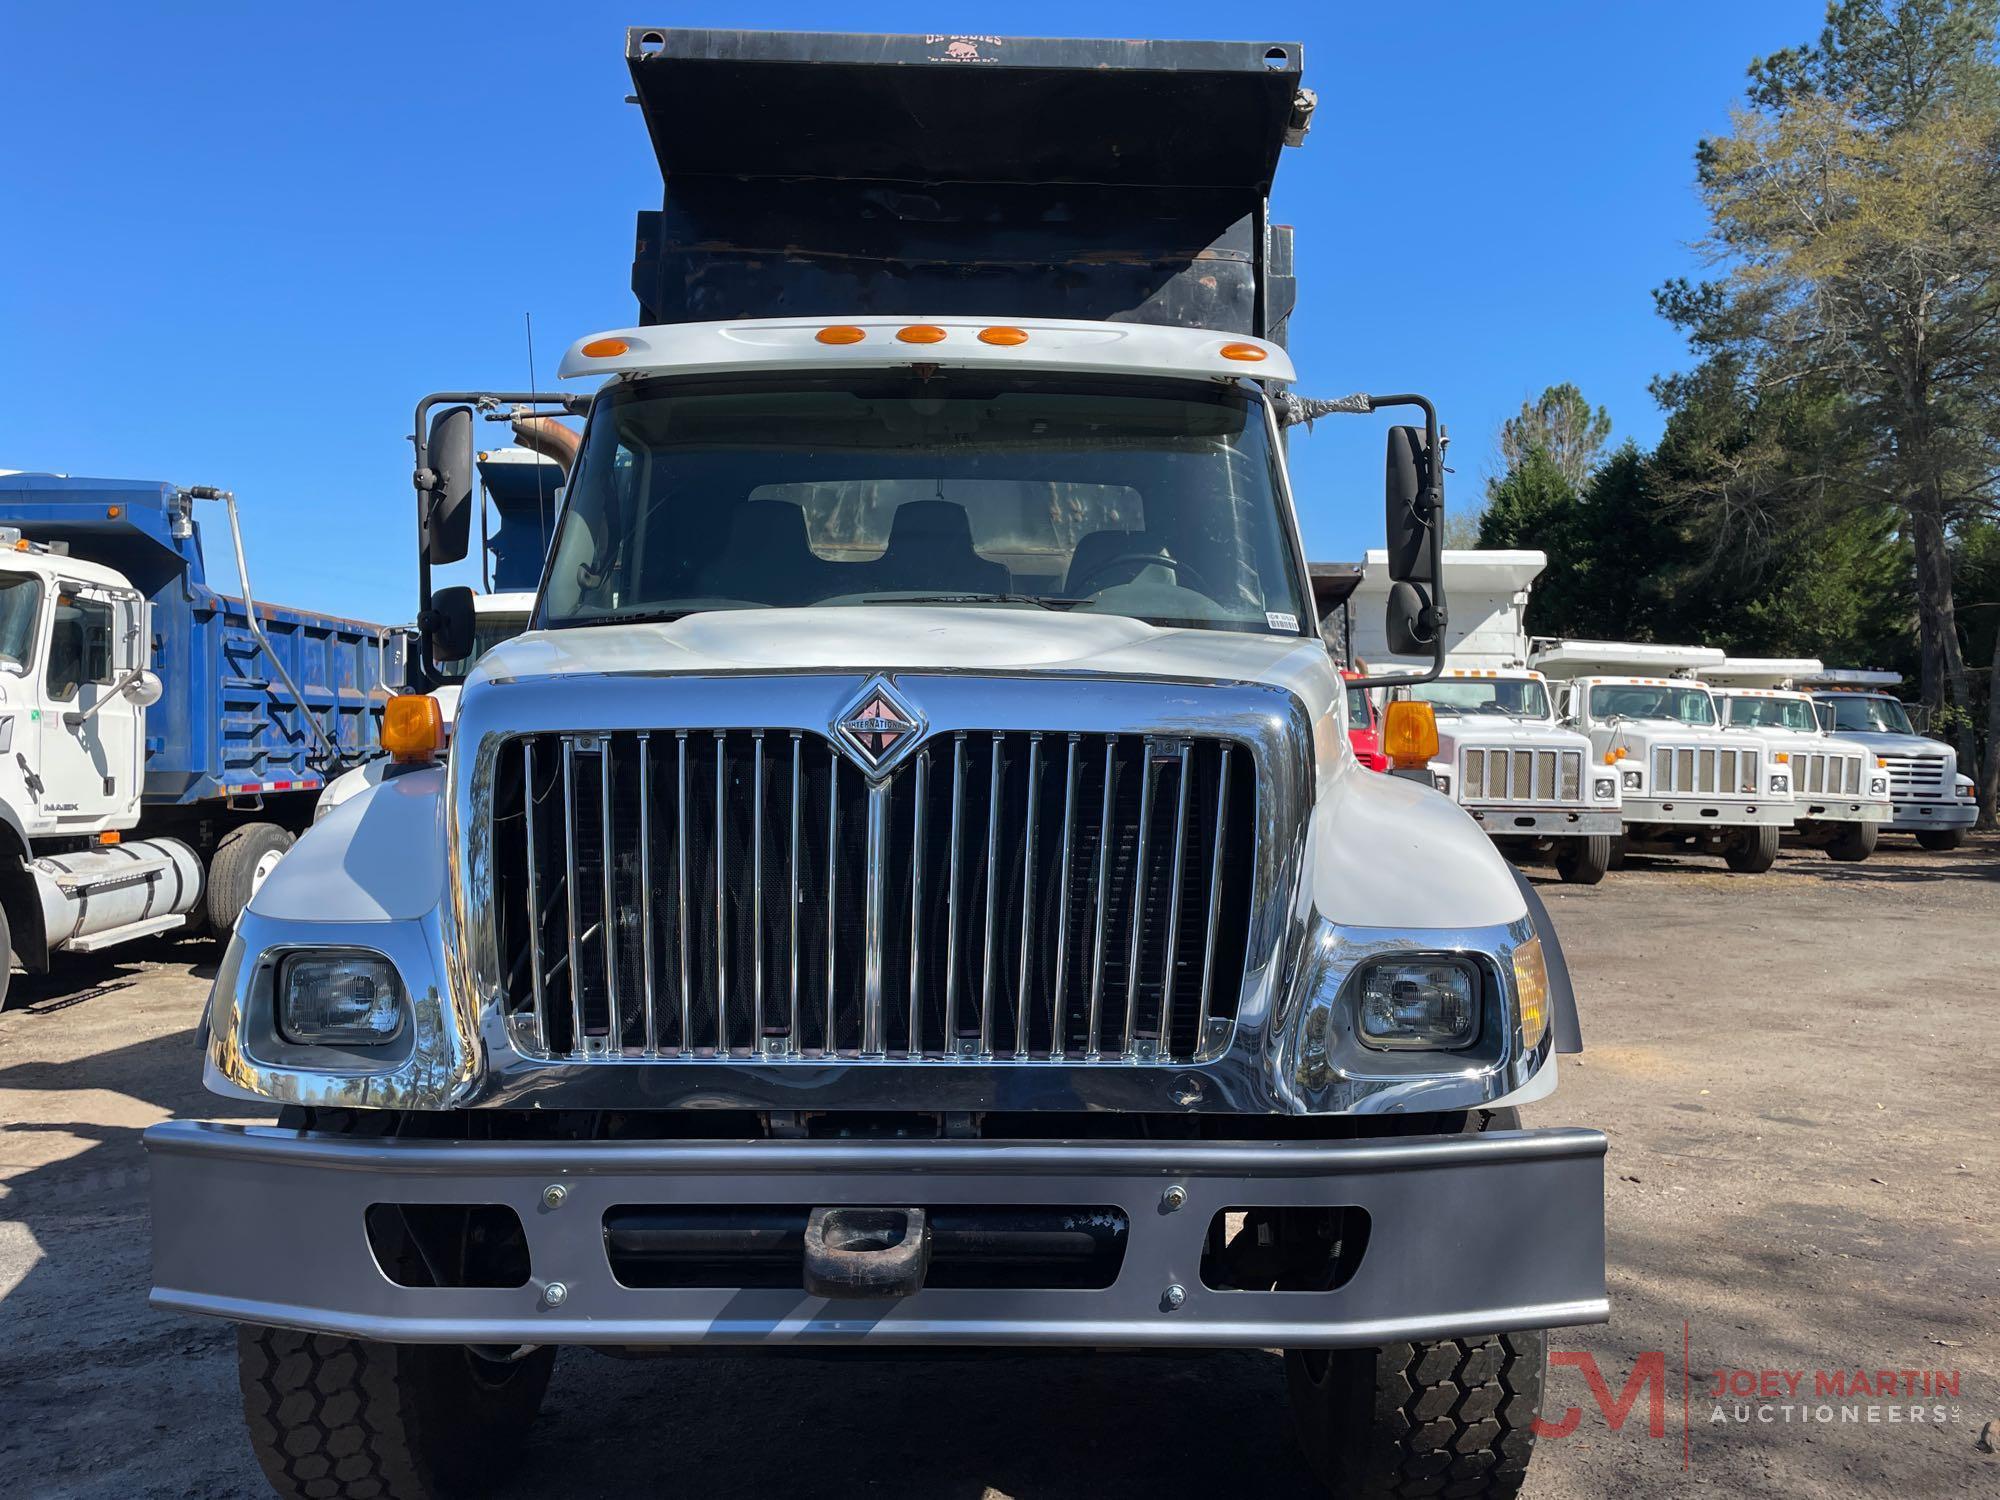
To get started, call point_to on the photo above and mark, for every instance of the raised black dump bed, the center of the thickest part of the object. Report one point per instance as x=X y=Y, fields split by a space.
x=835 y=174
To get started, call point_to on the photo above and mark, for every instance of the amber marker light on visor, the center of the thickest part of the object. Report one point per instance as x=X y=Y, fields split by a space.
x=412 y=727
x=1409 y=733
x=921 y=333
x=841 y=333
x=1614 y=755
x=1531 y=982
x=1249 y=352
x=1004 y=336
x=605 y=348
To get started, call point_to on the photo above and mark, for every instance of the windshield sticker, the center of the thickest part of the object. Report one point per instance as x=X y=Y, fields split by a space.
x=1282 y=622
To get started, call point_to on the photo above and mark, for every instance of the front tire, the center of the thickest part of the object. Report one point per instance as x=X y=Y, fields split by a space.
x=243 y=857
x=1583 y=861
x=1854 y=843
x=337 y=1417
x=1942 y=839
x=1752 y=851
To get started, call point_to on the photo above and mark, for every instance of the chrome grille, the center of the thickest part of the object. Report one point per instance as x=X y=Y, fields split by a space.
x=1521 y=775
x=1919 y=775
x=1817 y=773
x=1704 y=771
x=750 y=894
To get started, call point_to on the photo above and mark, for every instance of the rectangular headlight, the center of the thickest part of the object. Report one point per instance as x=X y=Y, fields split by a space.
x=1604 y=790
x=1419 y=1003
x=1778 y=785
x=1633 y=780
x=339 y=998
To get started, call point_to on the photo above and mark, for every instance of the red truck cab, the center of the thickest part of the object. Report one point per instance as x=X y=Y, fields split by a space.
x=1364 y=728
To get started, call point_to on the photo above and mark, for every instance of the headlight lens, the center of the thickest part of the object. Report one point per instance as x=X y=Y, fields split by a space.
x=342 y=999
x=1633 y=780
x=1531 y=979
x=1419 y=1003
x=1441 y=781
x=1778 y=785
x=1879 y=787
x=1604 y=790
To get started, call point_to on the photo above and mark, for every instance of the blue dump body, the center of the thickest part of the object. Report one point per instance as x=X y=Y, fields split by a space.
x=226 y=723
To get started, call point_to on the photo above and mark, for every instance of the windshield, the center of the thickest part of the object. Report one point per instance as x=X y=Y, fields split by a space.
x=1771 y=713
x=488 y=631
x=1631 y=700
x=1109 y=498
x=20 y=602
x=1358 y=716
x=1512 y=697
x=1859 y=715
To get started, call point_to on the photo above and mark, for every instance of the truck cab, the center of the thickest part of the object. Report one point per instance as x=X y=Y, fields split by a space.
x=908 y=886
x=1532 y=783
x=1364 y=722
x=1688 y=783
x=1840 y=786
x=1928 y=795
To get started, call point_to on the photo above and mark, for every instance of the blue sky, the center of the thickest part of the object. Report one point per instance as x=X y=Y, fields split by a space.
x=236 y=246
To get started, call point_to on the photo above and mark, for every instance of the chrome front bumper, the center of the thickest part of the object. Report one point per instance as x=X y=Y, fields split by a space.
x=1823 y=811
x=1543 y=822
x=1913 y=817
x=1467 y=1234
x=1692 y=813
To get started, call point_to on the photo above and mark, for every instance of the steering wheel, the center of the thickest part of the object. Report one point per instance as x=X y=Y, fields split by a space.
x=1183 y=574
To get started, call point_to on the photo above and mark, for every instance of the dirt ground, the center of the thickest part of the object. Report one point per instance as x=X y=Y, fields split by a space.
x=1798 y=1074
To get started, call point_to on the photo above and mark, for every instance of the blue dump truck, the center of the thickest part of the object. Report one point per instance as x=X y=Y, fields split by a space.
x=160 y=744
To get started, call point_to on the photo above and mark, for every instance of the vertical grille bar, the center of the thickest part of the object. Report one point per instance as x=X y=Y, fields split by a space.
x=950 y=1039
x=1139 y=873
x=1061 y=1039
x=1174 y=913
x=875 y=924
x=540 y=996
x=569 y=896
x=1215 y=883
x=650 y=1040
x=792 y=921
x=1022 y=1042
x=827 y=1040
x=757 y=891
x=1104 y=843
x=922 y=772
x=987 y=956
x=614 y=1022
x=681 y=887
x=721 y=897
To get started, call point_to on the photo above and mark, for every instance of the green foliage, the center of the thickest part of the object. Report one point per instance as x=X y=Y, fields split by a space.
x=1561 y=426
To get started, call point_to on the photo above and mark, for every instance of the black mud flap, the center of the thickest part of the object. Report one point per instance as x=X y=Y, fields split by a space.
x=867 y=1252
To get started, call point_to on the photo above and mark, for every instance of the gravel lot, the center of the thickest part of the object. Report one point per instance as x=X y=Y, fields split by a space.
x=1797 y=1073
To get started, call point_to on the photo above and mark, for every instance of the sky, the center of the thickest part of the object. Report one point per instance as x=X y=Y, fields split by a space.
x=238 y=243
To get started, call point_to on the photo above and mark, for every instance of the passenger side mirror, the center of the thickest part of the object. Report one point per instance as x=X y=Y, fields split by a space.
x=446 y=483
x=143 y=688
x=1412 y=624
x=450 y=624
x=1409 y=494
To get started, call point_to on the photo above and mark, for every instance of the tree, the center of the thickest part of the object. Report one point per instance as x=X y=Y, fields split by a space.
x=1855 y=223
x=1561 y=425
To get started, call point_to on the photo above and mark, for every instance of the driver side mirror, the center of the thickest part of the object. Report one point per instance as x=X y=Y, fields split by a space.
x=446 y=484
x=1409 y=492
x=1412 y=626
x=449 y=624
x=143 y=688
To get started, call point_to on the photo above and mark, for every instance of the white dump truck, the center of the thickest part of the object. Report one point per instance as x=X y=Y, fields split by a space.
x=1929 y=796
x=1687 y=783
x=1840 y=789
x=1533 y=784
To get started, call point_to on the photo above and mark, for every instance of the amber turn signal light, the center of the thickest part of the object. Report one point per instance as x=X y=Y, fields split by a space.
x=1409 y=733
x=412 y=727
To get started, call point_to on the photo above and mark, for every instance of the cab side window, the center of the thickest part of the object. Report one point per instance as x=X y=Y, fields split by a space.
x=79 y=646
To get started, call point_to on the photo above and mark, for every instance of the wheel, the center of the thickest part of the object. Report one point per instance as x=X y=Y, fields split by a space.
x=1752 y=851
x=1452 y=1417
x=1942 y=838
x=337 y=1417
x=6 y=958
x=242 y=858
x=1583 y=861
x=1854 y=843
x=1615 y=858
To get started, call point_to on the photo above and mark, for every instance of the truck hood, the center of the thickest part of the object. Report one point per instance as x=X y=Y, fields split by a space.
x=869 y=638
x=1648 y=732
x=1901 y=744
x=1798 y=742
x=1464 y=731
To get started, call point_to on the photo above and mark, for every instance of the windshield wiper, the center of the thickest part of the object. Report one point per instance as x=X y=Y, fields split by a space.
x=975 y=596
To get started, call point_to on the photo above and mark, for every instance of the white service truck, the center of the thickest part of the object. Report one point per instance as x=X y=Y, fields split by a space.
x=1929 y=796
x=1531 y=782
x=1688 y=783
x=1840 y=788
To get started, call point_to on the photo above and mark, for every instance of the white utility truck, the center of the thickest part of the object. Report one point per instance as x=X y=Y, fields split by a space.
x=1929 y=796
x=1840 y=789
x=909 y=886
x=1533 y=784
x=1688 y=784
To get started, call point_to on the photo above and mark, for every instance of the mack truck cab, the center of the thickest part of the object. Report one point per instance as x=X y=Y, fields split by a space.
x=908 y=887
x=1530 y=781
x=1688 y=783
x=1928 y=795
x=1840 y=786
